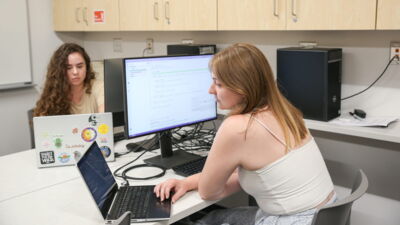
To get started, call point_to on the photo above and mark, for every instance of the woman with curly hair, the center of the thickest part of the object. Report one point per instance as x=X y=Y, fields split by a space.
x=70 y=87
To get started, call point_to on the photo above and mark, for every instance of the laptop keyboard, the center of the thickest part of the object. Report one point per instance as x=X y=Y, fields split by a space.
x=190 y=168
x=132 y=198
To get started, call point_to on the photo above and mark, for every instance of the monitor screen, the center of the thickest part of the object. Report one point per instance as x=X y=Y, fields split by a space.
x=167 y=92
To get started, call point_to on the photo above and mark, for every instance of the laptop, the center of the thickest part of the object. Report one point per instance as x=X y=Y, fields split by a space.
x=59 y=139
x=113 y=201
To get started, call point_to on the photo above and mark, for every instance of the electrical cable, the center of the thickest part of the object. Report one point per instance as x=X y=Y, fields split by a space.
x=124 y=175
x=196 y=139
x=144 y=51
x=387 y=66
x=143 y=143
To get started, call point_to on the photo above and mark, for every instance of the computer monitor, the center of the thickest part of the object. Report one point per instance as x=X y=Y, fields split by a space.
x=113 y=90
x=166 y=92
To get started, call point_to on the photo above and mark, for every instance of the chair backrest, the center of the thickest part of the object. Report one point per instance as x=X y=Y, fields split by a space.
x=339 y=212
x=30 y=121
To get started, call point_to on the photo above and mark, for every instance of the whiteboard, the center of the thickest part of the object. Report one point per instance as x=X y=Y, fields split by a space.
x=15 y=61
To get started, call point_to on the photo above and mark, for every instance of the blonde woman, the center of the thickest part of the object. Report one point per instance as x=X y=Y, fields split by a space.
x=262 y=147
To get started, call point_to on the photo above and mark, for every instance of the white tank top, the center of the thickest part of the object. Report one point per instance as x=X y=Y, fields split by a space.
x=295 y=182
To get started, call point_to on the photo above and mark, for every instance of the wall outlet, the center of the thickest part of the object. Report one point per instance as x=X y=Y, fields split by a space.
x=117 y=44
x=150 y=45
x=395 y=51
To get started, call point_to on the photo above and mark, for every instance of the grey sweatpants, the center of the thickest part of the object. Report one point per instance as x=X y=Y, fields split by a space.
x=254 y=215
x=232 y=216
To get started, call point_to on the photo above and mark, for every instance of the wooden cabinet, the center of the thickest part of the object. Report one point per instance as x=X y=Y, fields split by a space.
x=331 y=15
x=198 y=15
x=168 y=15
x=251 y=14
x=86 y=15
x=143 y=15
x=67 y=15
x=388 y=15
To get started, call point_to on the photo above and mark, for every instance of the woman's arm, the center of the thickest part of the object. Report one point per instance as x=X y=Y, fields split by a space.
x=219 y=177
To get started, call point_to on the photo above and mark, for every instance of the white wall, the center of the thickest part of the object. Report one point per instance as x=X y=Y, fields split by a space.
x=365 y=54
x=14 y=104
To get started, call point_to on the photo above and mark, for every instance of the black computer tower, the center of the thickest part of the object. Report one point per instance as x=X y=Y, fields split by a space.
x=113 y=89
x=191 y=49
x=310 y=78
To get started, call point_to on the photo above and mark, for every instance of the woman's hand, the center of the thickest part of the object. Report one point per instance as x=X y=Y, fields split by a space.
x=164 y=189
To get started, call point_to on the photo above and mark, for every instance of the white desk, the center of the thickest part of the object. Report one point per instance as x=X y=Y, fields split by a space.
x=29 y=196
x=390 y=134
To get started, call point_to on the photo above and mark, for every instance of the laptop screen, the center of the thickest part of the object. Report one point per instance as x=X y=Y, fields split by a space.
x=98 y=178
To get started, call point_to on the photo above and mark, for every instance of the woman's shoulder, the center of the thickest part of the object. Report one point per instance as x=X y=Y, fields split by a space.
x=96 y=83
x=235 y=123
x=97 y=87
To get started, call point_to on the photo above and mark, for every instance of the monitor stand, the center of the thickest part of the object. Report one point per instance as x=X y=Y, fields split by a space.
x=169 y=158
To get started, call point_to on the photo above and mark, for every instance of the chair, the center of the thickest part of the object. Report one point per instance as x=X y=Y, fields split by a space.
x=339 y=212
x=30 y=121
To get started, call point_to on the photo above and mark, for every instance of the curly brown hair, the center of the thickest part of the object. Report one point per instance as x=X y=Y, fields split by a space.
x=55 y=97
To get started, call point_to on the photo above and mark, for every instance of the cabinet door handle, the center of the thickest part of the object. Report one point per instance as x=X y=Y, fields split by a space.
x=167 y=12
x=84 y=15
x=155 y=10
x=77 y=15
x=276 y=8
x=294 y=13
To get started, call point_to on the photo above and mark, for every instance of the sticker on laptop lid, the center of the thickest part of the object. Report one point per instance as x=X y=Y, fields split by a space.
x=47 y=157
x=103 y=128
x=89 y=134
x=64 y=157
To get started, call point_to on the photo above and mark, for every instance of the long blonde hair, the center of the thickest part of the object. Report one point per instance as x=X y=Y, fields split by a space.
x=245 y=70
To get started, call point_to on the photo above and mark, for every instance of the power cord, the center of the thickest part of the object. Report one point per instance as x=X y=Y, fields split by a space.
x=126 y=178
x=144 y=51
x=137 y=147
x=196 y=139
x=387 y=66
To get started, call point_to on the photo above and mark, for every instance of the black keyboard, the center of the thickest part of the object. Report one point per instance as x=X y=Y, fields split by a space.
x=190 y=168
x=134 y=199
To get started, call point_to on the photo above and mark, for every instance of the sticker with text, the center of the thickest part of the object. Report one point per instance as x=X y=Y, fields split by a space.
x=47 y=157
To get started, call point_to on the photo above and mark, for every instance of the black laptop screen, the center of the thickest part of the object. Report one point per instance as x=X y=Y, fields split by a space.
x=98 y=177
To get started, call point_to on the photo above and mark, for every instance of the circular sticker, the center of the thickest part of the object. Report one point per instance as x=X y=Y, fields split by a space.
x=103 y=129
x=63 y=157
x=89 y=134
x=106 y=151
